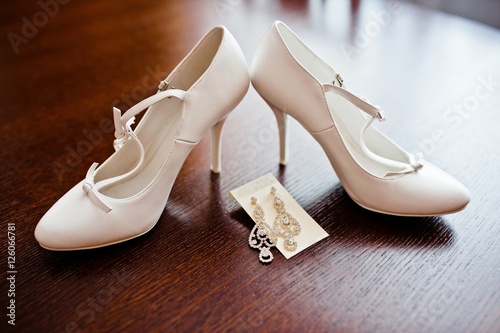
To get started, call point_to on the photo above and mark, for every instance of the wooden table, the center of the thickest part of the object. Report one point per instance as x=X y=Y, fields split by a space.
x=438 y=79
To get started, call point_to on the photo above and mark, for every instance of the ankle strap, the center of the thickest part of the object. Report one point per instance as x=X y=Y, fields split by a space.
x=414 y=161
x=123 y=134
x=121 y=121
x=361 y=104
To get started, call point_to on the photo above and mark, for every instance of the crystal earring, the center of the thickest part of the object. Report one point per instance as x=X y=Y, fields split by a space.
x=285 y=225
x=262 y=236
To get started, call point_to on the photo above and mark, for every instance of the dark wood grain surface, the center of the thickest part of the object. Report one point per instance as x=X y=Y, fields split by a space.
x=438 y=78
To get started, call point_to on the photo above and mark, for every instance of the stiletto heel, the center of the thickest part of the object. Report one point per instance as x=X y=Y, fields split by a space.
x=282 y=119
x=125 y=196
x=216 y=165
x=375 y=172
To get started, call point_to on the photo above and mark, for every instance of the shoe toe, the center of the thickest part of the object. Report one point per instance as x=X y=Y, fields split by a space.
x=434 y=192
x=73 y=223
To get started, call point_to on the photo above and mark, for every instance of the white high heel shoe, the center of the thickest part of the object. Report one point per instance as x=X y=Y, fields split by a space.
x=124 y=197
x=374 y=171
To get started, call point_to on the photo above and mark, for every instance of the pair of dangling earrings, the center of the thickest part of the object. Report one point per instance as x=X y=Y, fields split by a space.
x=263 y=237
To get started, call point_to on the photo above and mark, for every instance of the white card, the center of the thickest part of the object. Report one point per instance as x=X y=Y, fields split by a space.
x=311 y=232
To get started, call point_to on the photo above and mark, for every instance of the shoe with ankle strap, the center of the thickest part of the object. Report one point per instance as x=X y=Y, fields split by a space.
x=375 y=172
x=124 y=197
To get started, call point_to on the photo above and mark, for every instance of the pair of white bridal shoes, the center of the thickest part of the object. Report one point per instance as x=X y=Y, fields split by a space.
x=124 y=197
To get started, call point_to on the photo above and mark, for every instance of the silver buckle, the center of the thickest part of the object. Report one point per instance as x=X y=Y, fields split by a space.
x=164 y=85
x=340 y=80
x=381 y=115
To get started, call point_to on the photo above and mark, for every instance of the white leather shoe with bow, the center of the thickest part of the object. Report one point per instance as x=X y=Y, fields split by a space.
x=124 y=197
x=374 y=171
